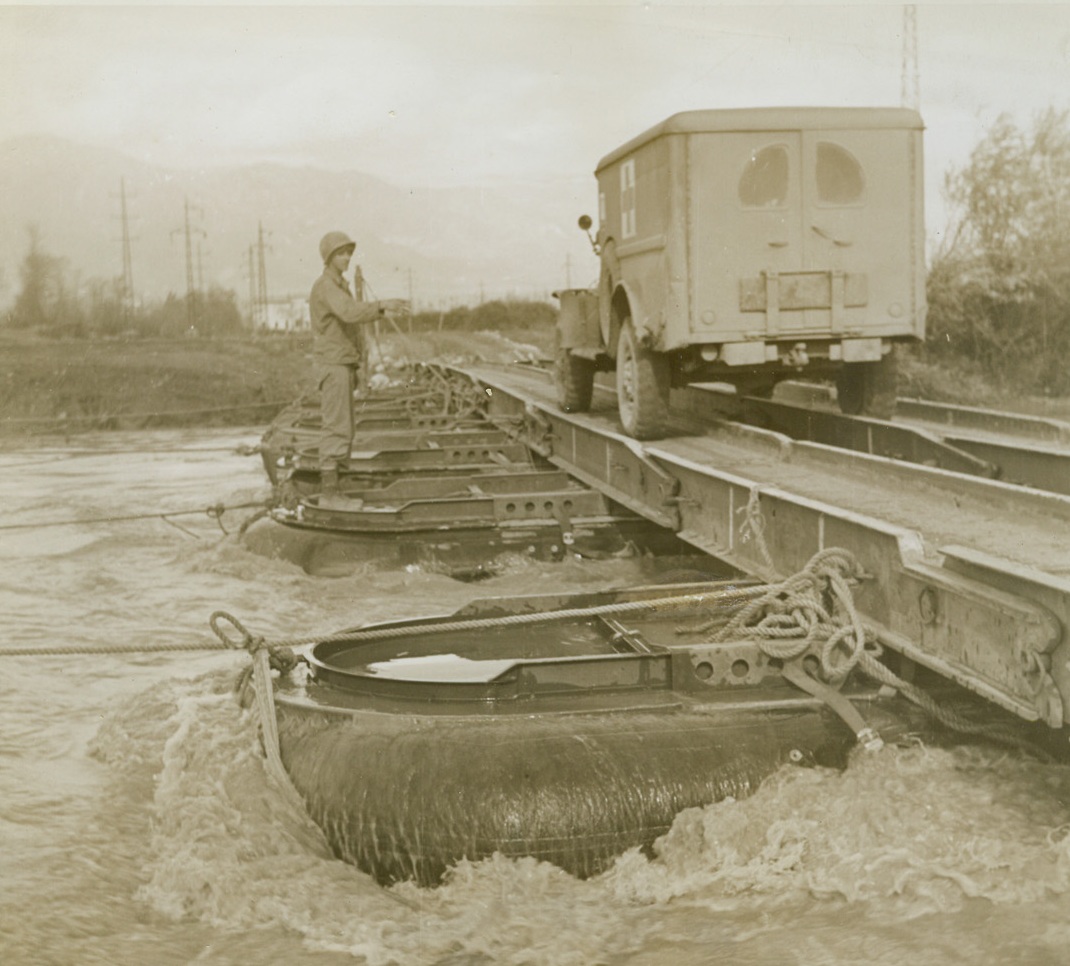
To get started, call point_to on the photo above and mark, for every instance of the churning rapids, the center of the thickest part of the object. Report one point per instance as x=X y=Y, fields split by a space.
x=138 y=824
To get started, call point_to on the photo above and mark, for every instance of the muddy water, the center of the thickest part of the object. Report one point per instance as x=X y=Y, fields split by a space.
x=137 y=824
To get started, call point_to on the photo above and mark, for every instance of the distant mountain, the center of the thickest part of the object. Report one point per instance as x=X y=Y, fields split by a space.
x=449 y=245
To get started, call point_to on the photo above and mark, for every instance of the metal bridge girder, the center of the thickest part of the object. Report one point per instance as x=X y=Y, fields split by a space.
x=994 y=627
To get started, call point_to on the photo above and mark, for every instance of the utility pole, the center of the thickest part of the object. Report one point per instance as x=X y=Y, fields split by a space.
x=261 y=290
x=191 y=294
x=201 y=290
x=910 y=85
x=251 y=269
x=412 y=309
x=126 y=291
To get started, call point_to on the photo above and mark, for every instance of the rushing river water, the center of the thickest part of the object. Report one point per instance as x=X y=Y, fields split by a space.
x=137 y=824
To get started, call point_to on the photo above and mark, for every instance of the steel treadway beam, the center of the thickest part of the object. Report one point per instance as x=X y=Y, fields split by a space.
x=856 y=433
x=994 y=627
x=961 y=438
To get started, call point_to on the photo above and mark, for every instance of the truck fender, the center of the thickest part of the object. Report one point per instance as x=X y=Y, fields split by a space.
x=610 y=272
x=624 y=304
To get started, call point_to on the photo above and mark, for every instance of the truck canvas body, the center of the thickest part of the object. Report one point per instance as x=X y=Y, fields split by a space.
x=747 y=246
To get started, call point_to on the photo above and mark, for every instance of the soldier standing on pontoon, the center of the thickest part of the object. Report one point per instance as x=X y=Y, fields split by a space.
x=338 y=348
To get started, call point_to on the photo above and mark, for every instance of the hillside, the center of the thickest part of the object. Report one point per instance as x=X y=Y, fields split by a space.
x=440 y=245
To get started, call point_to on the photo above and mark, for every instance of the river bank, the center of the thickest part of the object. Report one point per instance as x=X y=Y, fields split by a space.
x=65 y=386
x=72 y=385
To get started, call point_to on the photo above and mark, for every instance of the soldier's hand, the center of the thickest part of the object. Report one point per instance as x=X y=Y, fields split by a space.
x=396 y=306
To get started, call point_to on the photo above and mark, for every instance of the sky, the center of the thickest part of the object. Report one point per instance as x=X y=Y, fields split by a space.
x=444 y=95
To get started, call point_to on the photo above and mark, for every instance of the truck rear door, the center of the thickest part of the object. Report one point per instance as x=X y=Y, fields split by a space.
x=858 y=209
x=745 y=228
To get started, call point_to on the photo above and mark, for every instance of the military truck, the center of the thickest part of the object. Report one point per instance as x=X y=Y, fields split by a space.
x=746 y=247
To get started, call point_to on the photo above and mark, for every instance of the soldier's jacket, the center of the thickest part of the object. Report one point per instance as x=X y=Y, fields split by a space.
x=336 y=320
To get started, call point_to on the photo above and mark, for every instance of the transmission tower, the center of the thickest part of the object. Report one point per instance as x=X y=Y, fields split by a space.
x=126 y=291
x=910 y=91
x=191 y=292
x=261 y=289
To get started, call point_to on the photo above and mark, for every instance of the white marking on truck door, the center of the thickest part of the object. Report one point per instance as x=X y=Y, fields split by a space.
x=627 y=199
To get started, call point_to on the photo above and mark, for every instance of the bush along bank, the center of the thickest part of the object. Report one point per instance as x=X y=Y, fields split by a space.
x=64 y=386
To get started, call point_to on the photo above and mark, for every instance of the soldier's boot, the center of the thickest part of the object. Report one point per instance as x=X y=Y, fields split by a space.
x=331 y=495
x=329 y=482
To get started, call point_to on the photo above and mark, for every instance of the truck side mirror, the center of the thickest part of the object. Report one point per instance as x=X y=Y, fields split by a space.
x=585 y=225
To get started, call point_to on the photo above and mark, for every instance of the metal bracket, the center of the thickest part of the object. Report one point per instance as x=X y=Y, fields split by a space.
x=772 y=303
x=838 y=286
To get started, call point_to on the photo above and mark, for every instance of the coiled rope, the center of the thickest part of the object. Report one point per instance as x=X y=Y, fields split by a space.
x=814 y=609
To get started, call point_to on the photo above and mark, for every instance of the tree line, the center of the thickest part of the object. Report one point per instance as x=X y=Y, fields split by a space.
x=998 y=287
x=514 y=315
x=48 y=303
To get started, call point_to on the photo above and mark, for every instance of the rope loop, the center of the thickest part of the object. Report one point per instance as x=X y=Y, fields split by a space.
x=215 y=512
x=847 y=636
x=247 y=640
x=281 y=656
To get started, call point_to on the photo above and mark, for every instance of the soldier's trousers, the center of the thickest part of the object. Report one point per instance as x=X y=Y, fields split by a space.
x=336 y=412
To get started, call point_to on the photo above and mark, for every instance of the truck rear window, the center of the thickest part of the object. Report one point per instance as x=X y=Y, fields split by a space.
x=839 y=175
x=764 y=183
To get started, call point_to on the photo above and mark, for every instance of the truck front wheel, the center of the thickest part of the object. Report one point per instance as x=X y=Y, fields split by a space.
x=574 y=380
x=642 y=386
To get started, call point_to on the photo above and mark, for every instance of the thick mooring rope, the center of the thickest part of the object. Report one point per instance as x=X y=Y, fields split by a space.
x=151 y=414
x=214 y=512
x=265 y=657
x=71 y=650
x=730 y=594
x=733 y=596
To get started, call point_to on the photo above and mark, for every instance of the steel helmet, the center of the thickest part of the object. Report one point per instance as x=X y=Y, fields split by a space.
x=332 y=242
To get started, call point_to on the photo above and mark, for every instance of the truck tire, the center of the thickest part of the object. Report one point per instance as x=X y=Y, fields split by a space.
x=868 y=388
x=573 y=379
x=642 y=386
x=850 y=387
x=882 y=387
